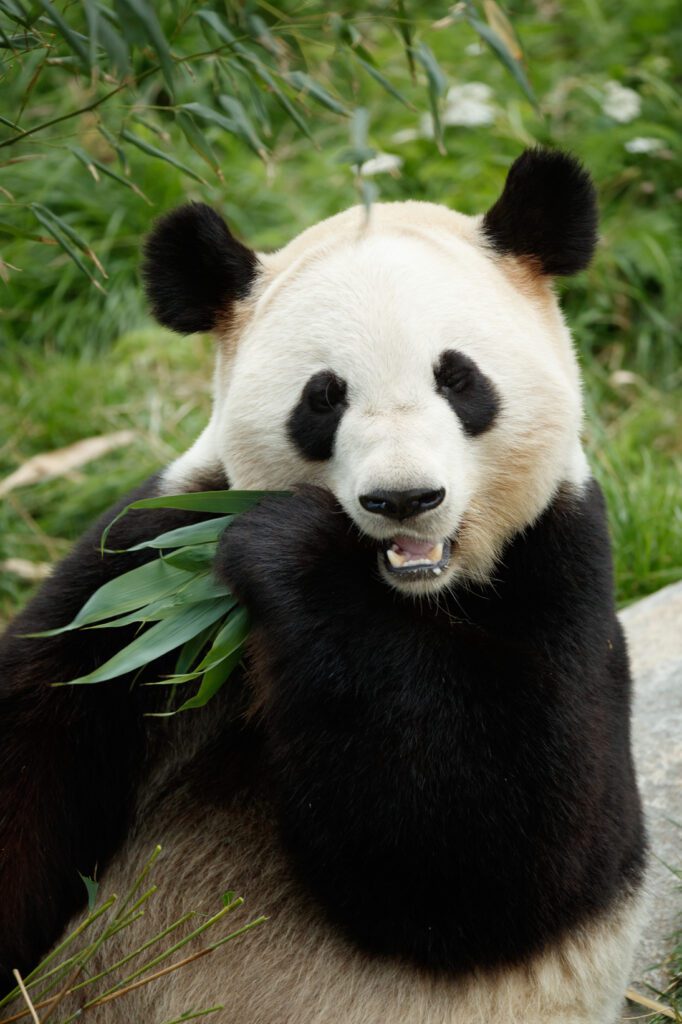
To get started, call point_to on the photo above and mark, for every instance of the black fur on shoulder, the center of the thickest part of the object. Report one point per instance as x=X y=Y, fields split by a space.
x=547 y=213
x=71 y=758
x=194 y=268
x=454 y=782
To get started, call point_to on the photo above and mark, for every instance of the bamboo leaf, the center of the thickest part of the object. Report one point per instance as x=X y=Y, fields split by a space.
x=161 y=638
x=91 y=887
x=122 y=181
x=384 y=82
x=150 y=150
x=73 y=39
x=306 y=84
x=118 y=149
x=51 y=225
x=68 y=230
x=225 y=502
x=437 y=84
x=230 y=636
x=197 y=140
x=405 y=30
x=202 y=587
x=244 y=128
x=221 y=30
x=216 y=676
x=124 y=593
x=198 y=533
x=144 y=12
x=497 y=45
x=192 y=649
x=282 y=98
x=194 y=558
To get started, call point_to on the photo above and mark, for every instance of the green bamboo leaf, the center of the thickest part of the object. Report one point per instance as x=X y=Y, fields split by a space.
x=201 y=587
x=91 y=887
x=215 y=677
x=405 y=30
x=230 y=636
x=197 y=140
x=72 y=235
x=52 y=224
x=102 y=35
x=499 y=48
x=198 y=533
x=192 y=649
x=161 y=638
x=144 y=13
x=437 y=84
x=228 y=124
x=245 y=129
x=221 y=30
x=306 y=84
x=115 y=145
x=9 y=229
x=73 y=39
x=104 y=169
x=213 y=680
x=260 y=32
x=282 y=98
x=194 y=558
x=384 y=82
x=224 y=502
x=17 y=12
x=124 y=593
x=21 y=44
x=150 y=150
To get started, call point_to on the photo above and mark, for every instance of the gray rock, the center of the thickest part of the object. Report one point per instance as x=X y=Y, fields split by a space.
x=654 y=631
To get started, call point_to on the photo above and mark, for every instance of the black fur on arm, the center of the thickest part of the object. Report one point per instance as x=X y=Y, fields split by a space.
x=547 y=213
x=454 y=785
x=70 y=757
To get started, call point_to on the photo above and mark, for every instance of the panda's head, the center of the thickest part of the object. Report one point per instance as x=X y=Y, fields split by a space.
x=413 y=361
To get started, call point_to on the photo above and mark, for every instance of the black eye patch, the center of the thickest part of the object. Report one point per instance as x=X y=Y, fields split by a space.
x=468 y=391
x=313 y=423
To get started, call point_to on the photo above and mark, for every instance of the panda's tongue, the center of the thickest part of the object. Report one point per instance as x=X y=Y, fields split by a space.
x=414 y=548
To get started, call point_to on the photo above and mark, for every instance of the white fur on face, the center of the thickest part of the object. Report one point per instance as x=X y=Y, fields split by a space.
x=378 y=307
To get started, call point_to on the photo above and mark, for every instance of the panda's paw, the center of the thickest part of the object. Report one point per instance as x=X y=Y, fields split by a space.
x=267 y=554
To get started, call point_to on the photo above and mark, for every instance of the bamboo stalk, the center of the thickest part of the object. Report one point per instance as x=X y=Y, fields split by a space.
x=650 y=1004
x=27 y=998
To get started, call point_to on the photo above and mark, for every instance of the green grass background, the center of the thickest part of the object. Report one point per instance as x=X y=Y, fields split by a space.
x=75 y=363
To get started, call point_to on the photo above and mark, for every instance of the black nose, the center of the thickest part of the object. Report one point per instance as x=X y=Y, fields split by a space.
x=402 y=504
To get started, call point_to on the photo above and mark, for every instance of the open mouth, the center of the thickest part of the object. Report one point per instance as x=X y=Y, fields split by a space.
x=407 y=556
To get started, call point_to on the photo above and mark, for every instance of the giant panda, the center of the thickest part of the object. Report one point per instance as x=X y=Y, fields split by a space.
x=422 y=772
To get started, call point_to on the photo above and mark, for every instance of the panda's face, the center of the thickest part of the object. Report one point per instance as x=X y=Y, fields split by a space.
x=402 y=368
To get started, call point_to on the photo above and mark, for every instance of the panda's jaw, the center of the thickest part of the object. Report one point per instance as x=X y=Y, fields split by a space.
x=412 y=559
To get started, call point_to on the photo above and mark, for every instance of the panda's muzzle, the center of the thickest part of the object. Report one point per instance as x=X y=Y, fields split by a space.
x=408 y=556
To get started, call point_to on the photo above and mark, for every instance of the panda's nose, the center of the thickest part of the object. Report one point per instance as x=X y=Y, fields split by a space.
x=402 y=504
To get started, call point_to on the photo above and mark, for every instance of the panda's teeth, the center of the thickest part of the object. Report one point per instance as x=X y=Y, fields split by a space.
x=436 y=552
x=396 y=560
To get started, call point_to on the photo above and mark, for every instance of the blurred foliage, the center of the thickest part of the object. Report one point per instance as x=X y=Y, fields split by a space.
x=112 y=112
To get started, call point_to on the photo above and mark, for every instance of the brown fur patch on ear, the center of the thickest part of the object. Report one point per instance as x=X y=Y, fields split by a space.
x=527 y=276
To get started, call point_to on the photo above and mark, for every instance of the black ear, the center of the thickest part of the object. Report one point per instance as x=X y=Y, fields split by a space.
x=194 y=268
x=547 y=211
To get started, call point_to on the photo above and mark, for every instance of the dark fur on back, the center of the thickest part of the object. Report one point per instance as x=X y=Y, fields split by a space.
x=546 y=213
x=454 y=780
x=71 y=758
